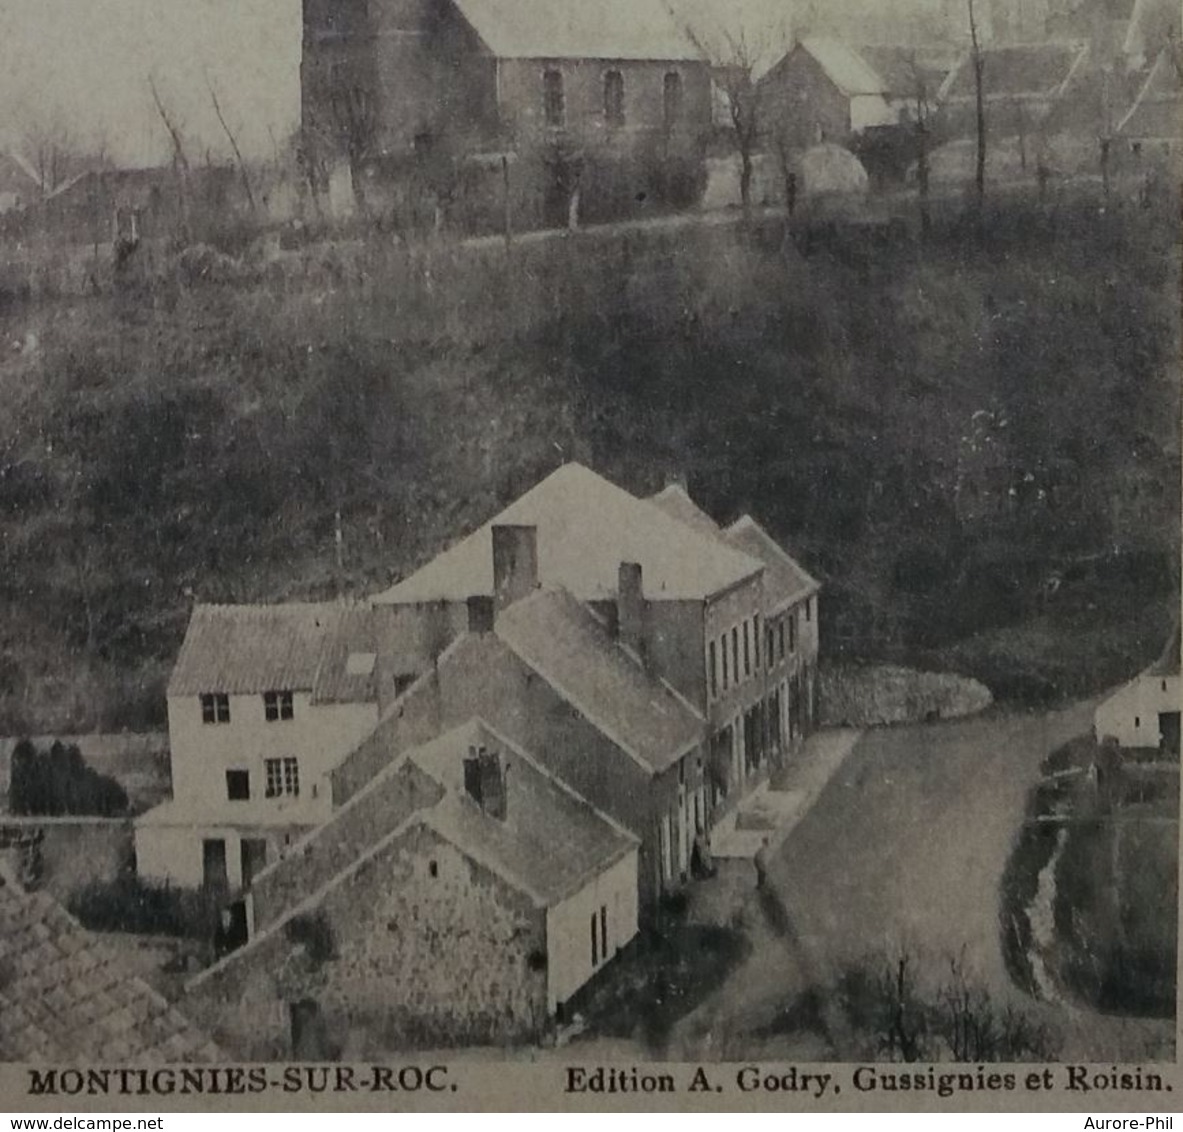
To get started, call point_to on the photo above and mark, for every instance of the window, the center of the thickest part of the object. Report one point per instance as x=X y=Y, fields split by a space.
x=553 y=107
x=614 y=98
x=769 y=642
x=711 y=659
x=756 y=640
x=809 y=609
x=792 y=632
x=747 y=652
x=283 y=777
x=215 y=708
x=780 y=629
x=603 y=931
x=672 y=99
x=723 y=644
x=238 y=785
x=277 y=706
x=595 y=941
x=433 y=869
x=735 y=653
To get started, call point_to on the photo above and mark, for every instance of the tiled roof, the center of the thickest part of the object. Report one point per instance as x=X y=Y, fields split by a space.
x=784 y=579
x=1036 y=70
x=844 y=66
x=586 y=528
x=572 y=650
x=298 y=647
x=65 y=997
x=246 y=649
x=551 y=29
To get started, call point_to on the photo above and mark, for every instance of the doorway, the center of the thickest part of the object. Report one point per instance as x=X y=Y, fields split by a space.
x=1168 y=732
x=254 y=859
x=213 y=865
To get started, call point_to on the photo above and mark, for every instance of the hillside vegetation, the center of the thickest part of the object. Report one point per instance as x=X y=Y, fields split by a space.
x=173 y=439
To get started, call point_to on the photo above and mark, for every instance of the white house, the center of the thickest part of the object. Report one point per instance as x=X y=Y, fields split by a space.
x=1145 y=713
x=263 y=703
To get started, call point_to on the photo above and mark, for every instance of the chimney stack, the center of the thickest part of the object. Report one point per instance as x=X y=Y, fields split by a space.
x=630 y=606
x=515 y=564
x=480 y=614
x=484 y=781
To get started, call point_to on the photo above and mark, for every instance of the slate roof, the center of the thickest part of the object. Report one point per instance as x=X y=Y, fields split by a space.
x=1168 y=663
x=675 y=501
x=551 y=841
x=607 y=29
x=566 y=644
x=785 y=582
x=899 y=67
x=586 y=528
x=1034 y=70
x=66 y=997
x=844 y=66
x=298 y=647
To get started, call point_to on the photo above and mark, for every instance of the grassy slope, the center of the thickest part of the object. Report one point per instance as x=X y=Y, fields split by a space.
x=197 y=443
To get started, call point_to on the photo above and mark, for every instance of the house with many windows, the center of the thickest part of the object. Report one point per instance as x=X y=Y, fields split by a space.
x=263 y=702
x=723 y=617
x=612 y=663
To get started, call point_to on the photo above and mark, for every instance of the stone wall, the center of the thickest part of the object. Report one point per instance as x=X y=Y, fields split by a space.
x=428 y=949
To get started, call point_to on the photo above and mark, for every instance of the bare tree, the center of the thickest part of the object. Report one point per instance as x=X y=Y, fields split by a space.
x=180 y=159
x=242 y=169
x=922 y=134
x=978 y=62
x=738 y=77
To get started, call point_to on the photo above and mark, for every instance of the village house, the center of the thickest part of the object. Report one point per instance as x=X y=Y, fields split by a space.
x=824 y=90
x=1145 y=712
x=263 y=702
x=396 y=78
x=66 y=998
x=1025 y=88
x=723 y=617
x=463 y=896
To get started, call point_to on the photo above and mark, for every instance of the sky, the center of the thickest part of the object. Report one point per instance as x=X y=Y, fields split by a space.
x=87 y=64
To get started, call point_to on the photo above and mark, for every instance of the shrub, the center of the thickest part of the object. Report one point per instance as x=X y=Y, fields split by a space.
x=129 y=904
x=59 y=782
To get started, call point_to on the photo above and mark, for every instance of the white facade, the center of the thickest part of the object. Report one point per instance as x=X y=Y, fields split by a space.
x=281 y=765
x=606 y=908
x=867 y=110
x=1132 y=714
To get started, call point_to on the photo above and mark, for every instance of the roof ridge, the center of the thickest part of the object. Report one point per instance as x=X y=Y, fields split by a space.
x=590 y=712
x=308 y=903
x=521 y=752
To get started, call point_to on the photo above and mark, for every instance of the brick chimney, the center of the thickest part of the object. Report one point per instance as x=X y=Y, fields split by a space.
x=515 y=564
x=480 y=614
x=630 y=607
x=484 y=781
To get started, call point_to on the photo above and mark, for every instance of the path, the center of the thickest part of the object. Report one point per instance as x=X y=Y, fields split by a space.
x=907 y=843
